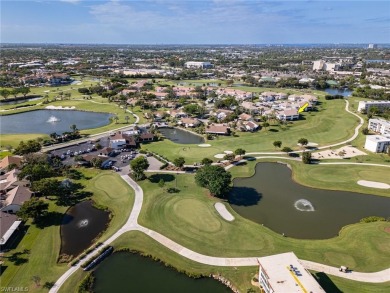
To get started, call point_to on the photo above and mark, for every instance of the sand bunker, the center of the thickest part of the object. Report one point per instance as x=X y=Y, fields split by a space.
x=341 y=153
x=204 y=145
x=373 y=184
x=221 y=209
x=228 y=152
x=219 y=156
x=60 y=108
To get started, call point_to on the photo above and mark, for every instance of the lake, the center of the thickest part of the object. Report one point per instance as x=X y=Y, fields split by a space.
x=342 y=92
x=80 y=226
x=128 y=272
x=49 y=121
x=272 y=198
x=180 y=136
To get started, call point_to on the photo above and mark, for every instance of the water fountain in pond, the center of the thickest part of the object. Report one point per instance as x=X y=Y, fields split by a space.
x=83 y=223
x=53 y=119
x=304 y=205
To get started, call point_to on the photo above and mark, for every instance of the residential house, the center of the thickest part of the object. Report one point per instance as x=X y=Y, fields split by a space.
x=250 y=107
x=221 y=129
x=13 y=200
x=9 y=161
x=288 y=114
x=8 y=226
x=189 y=122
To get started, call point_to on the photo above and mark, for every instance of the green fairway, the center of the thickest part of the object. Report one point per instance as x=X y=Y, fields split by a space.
x=189 y=218
x=43 y=245
x=13 y=140
x=331 y=124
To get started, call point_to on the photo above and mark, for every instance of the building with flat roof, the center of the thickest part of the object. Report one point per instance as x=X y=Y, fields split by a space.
x=366 y=105
x=283 y=273
x=196 y=64
x=378 y=125
x=377 y=143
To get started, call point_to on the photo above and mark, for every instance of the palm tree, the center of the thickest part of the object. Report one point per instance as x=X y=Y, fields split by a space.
x=127 y=119
x=73 y=127
x=116 y=118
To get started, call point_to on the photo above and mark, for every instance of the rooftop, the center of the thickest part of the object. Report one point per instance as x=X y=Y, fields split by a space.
x=286 y=274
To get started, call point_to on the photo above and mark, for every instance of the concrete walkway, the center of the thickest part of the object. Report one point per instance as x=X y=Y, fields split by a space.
x=377 y=277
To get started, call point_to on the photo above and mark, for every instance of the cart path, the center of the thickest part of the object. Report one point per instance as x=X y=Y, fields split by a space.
x=132 y=225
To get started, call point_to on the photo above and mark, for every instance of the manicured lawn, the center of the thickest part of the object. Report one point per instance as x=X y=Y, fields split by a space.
x=338 y=285
x=108 y=190
x=189 y=218
x=13 y=140
x=329 y=125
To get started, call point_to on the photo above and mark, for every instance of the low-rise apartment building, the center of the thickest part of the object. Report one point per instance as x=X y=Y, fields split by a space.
x=377 y=143
x=379 y=126
x=364 y=106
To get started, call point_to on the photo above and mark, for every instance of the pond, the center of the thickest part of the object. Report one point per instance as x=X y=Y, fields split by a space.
x=128 y=272
x=180 y=136
x=80 y=226
x=342 y=92
x=273 y=199
x=18 y=101
x=49 y=121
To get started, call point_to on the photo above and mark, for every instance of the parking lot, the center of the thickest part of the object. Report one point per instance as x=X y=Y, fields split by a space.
x=112 y=160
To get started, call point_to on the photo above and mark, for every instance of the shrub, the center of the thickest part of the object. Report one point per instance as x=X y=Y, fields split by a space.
x=372 y=219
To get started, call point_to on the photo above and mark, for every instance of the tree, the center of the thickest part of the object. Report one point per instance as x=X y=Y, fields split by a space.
x=127 y=119
x=139 y=165
x=47 y=186
x=5 y=93
x=287 y=149
x=365 y=131
x=265 y=125
x=303 y=141
x=306 y=157
x=179 y=162
x=24 y=91
x=96 y=162
x=229 y=157
x=73 y=127
x=32 y=146
x=161 y=183
x=239 y=152
x=206 y=161
x=215 y=178
x=33 y=208
x=116 y=118
x=277 y=144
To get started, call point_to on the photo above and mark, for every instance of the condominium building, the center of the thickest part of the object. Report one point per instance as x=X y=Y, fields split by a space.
x=378 y=125
x=366 y=105
x=196 y=64
x=283 y=273
x=377 y=143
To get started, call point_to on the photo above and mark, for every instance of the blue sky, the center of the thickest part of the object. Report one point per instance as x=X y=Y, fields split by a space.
x=194 y=22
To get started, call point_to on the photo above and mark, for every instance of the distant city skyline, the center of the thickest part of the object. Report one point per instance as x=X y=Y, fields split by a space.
x=194 y=22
